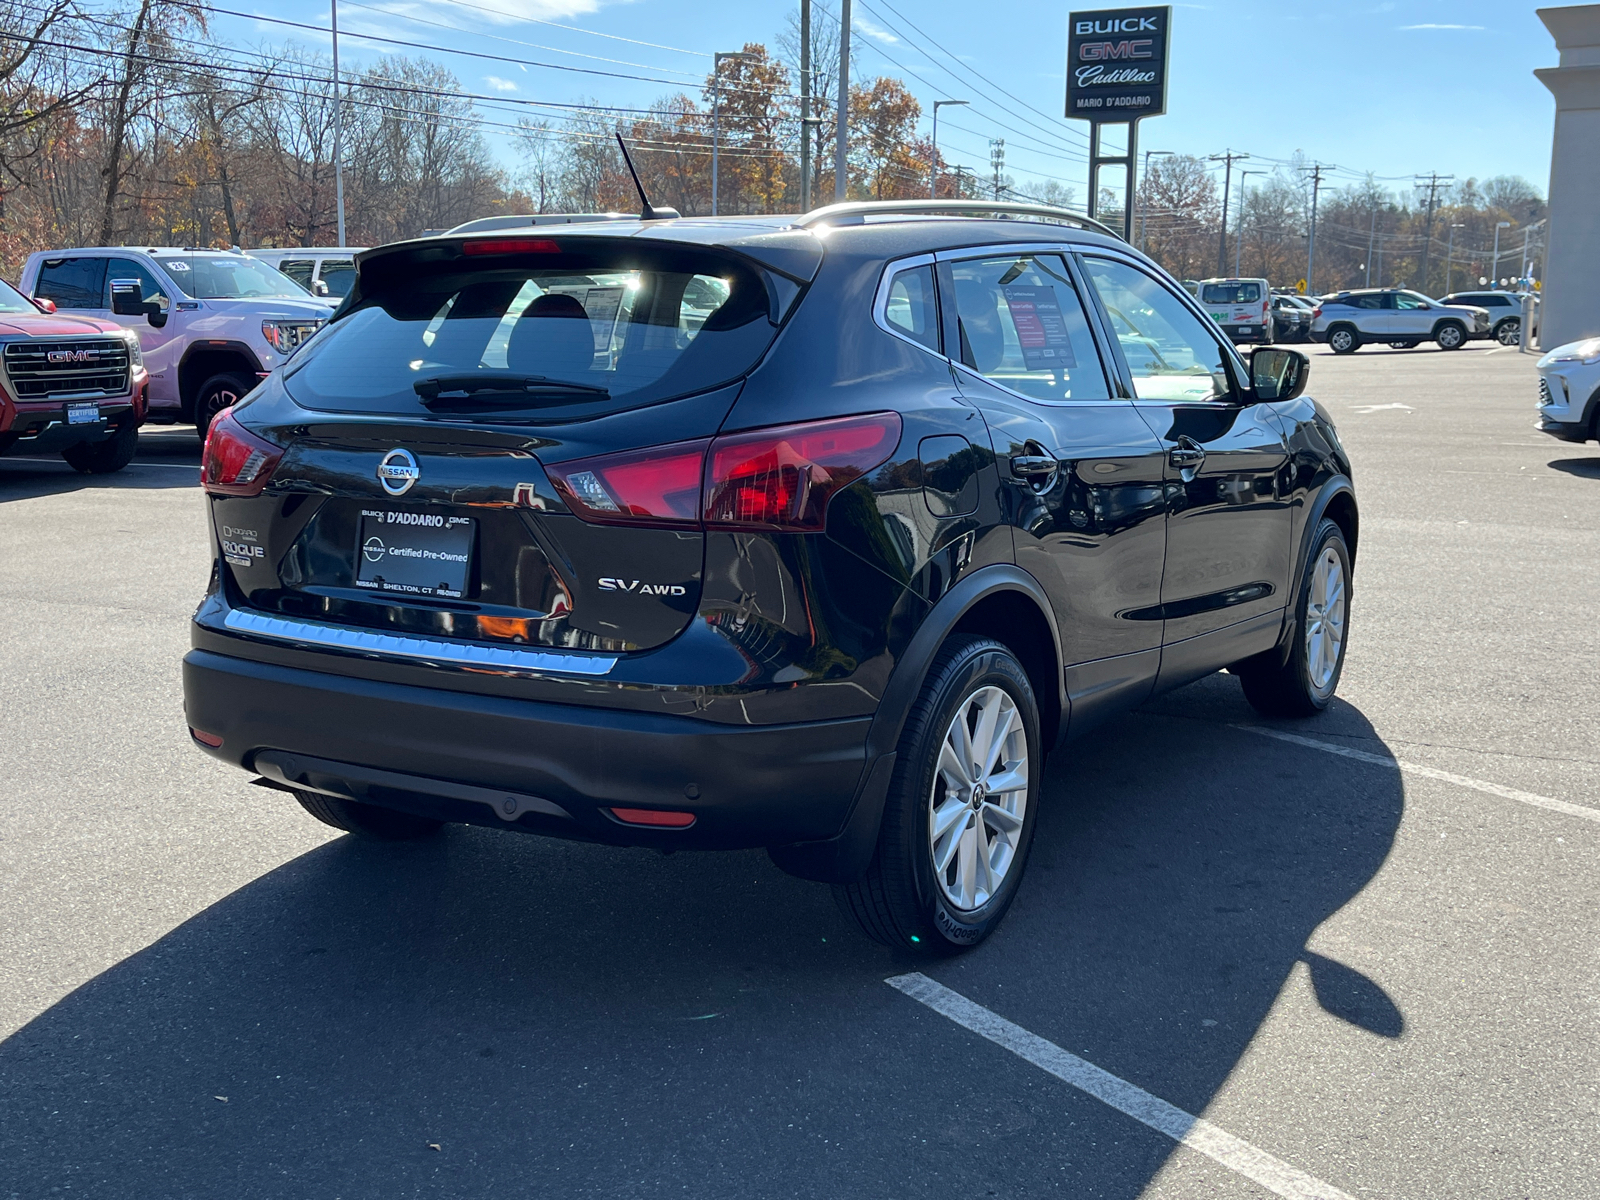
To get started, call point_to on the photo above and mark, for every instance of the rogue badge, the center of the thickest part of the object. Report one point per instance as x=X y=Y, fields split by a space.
x=397 y=471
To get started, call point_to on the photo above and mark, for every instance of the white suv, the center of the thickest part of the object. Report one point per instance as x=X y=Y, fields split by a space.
x=321 y=270
x=1569 y=391
x=211 y=323
x=1346 y=321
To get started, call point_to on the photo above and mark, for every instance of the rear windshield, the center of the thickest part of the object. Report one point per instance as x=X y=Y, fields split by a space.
x=1230 y=293
x=223 y=277
x=623 y=325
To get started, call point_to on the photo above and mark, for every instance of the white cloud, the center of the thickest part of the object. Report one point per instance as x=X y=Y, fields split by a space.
x=498 y=84
x=873 y=31
x=1432 y=26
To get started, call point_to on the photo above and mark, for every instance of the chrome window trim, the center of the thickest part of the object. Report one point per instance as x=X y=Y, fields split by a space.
x=431 y=650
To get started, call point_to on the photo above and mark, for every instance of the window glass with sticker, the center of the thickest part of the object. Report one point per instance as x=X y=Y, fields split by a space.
x=1021 y=323
x=1170 y=352
x=230 y=277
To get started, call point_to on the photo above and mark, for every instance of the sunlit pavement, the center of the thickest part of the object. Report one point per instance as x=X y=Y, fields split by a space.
x=1384 y=980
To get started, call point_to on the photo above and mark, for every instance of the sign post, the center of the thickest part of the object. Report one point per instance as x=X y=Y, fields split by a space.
x=1117 y=75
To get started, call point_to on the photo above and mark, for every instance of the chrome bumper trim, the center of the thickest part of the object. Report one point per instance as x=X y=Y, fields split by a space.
x=387 y=645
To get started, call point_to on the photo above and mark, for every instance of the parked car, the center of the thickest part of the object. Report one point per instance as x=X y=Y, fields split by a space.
x=212 y=323
x=1291 y=319
x=71 y=386
x=1346 y=321
x=1505 y=313
x=1242 y=307
x=320 y=270
x=1569 y=391
x=528 y=538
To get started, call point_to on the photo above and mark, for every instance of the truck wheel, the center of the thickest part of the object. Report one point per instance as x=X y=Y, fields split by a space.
x=1509 y=331
x=216 y=394
x=1450 y=336
x=1303 y=685
x=102 y=458
x=1344 y=340
x=961 y=809
x=366 y=821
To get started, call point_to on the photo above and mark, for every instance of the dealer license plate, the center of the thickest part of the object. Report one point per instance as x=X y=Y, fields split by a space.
x=415 y=553
x=83 y=413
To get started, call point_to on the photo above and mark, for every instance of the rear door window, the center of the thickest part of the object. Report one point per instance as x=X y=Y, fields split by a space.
x=1368 y=301
x=602 y=327
x=73 y=282
x=339 y=274
x=299 y=270
x=1021 y=323
x=1170 y=352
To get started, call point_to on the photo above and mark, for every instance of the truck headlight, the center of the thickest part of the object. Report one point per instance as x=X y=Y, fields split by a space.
x=135 y=352
x=288 y=336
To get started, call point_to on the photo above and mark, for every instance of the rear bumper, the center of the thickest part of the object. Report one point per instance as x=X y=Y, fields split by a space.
x=462 y=757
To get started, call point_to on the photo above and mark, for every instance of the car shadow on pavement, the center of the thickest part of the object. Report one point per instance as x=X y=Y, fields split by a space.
x=485 y=1014
x=167 y=457
x=1583 y=468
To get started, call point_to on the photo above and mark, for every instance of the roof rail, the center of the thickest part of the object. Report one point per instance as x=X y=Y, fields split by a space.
x=856 y=212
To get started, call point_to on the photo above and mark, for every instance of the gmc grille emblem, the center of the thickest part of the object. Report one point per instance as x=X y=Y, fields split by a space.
x=66 y=356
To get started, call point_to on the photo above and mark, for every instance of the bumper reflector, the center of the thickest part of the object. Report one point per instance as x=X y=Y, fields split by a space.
x=205 y=739
x=653 y=816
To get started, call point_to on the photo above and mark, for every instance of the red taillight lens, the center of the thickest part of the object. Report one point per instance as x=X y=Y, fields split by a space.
x=658 y=486
x=236 y=462
x=512 y=246
x=783 y=478
x=1316 y=312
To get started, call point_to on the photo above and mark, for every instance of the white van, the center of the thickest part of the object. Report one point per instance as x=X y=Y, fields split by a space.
x=1243 y=307
x=321 y=270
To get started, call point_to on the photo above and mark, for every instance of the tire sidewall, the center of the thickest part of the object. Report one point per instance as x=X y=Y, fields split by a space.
x=1328 y=534
x=985 y=665
x=1345 y=332
x=204 y=414
x=1450 y=336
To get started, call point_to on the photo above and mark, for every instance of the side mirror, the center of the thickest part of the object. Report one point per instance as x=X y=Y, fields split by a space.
x=127 y=298
x=44 y=305
x=1278 y=374
x=320 y=288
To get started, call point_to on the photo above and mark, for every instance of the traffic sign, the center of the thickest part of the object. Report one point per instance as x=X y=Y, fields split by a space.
x=1301 y=287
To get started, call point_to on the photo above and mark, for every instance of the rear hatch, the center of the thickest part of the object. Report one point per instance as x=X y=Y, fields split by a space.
x=499 y=440
x=1235 y=302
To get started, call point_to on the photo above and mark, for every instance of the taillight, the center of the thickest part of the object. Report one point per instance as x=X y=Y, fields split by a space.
x=776 y=478
x=236 y=462
x=1316 y=312
x=783 y=478
x=512 y=246
x=658 y=486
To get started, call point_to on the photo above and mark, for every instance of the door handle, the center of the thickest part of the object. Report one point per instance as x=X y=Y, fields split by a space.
x=1186 y=455
x=1033 y=466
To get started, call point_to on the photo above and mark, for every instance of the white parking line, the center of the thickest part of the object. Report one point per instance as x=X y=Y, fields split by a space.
x=1481 y=785
x=1214 y=1142
x=56 y=462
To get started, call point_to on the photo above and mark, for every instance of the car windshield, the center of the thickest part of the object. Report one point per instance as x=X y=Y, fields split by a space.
x=13 y=301
x=1230 y=293
x=624 y=325
x=226 y=277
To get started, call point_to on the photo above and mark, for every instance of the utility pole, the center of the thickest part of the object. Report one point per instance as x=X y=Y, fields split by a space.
x=1227 y=159
x=1450 y=255
x=805 y=105
x=1311 y=240
x=933 y=166
x=1238 y=232
x=841 y=127
x=1372 y=233
x=1148 y=154
x=1434 y=180
x=997 y=161
x=338 y=129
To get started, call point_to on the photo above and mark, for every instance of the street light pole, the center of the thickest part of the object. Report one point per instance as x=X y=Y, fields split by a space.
x=1494 y=271
x=1227 y=160
x=716 y=104
x=338 y=128
x=1238 y=232
x=1449 y=256
x=805 y=105
x=841 y=128
x=933 y=166
x=1147 y=157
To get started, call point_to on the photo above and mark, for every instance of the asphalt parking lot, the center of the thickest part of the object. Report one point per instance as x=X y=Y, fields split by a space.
x=1362 y=948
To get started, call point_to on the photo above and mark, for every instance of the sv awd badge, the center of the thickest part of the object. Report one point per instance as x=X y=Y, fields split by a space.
x=397 y=471
x=608 y=584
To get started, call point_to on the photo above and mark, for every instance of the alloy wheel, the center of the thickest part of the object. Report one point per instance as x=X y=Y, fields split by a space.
x=1341 y=339
x=1450 y=337
x=979 y=798
x=1509 y=333
x=1325 y=608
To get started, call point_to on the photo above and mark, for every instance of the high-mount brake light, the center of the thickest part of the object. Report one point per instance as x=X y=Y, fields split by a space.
x=236 y=461
x=511 y=246
x=656 y=486
x=783 y=477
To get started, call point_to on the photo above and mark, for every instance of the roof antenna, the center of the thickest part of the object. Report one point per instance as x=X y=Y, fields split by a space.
x=646 y=212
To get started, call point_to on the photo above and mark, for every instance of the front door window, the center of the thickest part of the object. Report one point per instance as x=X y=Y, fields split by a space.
x=1171 y=354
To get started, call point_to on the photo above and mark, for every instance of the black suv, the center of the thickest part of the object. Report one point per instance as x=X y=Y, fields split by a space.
x=814 y=534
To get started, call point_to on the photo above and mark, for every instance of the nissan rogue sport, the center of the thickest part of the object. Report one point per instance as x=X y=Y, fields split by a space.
x=813 y=533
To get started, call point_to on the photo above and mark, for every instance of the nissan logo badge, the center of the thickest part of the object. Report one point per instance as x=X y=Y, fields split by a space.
x=397 y=471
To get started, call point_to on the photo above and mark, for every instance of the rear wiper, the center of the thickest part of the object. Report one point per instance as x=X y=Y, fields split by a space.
x=497 y=390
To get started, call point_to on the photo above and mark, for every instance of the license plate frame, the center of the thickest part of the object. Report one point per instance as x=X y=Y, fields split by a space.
x=414 y=552
x=83 y=412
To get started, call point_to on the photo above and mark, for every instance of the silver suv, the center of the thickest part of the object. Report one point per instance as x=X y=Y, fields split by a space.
x=1346 y=321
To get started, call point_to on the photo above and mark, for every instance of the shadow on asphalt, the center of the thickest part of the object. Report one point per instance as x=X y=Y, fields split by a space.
x=577 y=1020
x=168 y=456
x=1583 y=468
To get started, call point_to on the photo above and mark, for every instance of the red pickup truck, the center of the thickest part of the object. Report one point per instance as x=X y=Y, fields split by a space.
x=73 y=386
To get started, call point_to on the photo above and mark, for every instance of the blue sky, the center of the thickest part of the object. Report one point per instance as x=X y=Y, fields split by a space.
x=1395 y=88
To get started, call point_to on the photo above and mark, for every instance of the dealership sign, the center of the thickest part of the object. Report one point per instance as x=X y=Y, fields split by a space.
x=1117 y=64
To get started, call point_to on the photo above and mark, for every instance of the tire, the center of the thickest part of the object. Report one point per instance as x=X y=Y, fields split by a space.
x=1402 y=345
x=367 y=821
x=1450 y=336
x=1509 y=331
x=216 y=394
x=1343 y=340
x=905 y=900
x=103 y=458
x=1304 y=685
